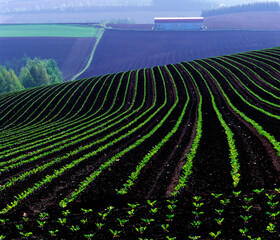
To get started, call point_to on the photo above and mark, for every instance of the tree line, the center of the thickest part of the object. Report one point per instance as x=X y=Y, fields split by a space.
x=27 y=73
x=253 y=7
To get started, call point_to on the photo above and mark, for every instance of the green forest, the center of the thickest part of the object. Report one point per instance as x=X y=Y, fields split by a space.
x=28 y=73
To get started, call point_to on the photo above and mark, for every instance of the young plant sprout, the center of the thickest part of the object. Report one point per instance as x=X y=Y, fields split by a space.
x=148 y=221
x=219 y=211
x=169 y=217
x=165 y=227
x=43 y=215
x=3 y=221
x=243 y=231
x=216 y=195
x=219 y=220
x=246 y=218
x=153 y=210
x=99 y=225
x=258 y=191
x=141 y=229
x=196 y=224
x=194 y=237
x=74 y=228
x=151 y=203
x=19 y=227
x=170 y=238
x=122 y=221
x=89 y=236
x=115 y=233
x=53 y=232
x=271 y=228
x=62 y=221
x=215 y=235
x=235 y=193
x=84 y=221
x=66 y=213
x=2 y=237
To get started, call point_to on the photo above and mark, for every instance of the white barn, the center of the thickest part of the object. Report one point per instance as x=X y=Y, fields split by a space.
x=179 y=23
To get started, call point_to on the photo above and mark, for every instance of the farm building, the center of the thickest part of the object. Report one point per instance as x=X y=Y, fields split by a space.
x=179 y=23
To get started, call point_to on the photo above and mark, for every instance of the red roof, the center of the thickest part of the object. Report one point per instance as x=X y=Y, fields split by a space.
x=180 y=20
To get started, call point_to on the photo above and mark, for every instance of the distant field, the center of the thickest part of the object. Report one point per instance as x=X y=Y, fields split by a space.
x=46 y=30
x=127 y=50
x=71 y=54
x=268 y=21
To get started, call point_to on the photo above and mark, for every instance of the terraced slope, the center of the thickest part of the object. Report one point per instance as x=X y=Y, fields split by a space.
x=194 y=128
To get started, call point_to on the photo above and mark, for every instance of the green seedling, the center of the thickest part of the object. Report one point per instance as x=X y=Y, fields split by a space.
x=215 y=235
x=148 y=221
x=86 y=210
x=219 y=211
x=194 y=237
x=258 y=191
x=74 y=228
x=270 y=197
x=3 y=221
x=115 y=233
x=236 y=194
x=151 y=203
x=277 y=190
x=272 y=204
x=89 y=236
x=219 y=220
x=225 y=202
x=53 y=232
x=141 y=229
x=62 y=221
x=246 y=218
x=122 y=221
x=243 y=231
x=2 y=237
x=131 y=212
x=172 y=201
x=246 y=208
x=103 y=215
x=198 y=205
x=251 y=238
x=43 y=215
x=19 y=227
x=99 y=225
x=273 y=215
x=216 y=195
x=196 y=214
x=26 y=235
x=169 y=217
x=84 y=221
x=153 y=210
x=271 y=228
x=171 y=207
x=165 y=227
x=133 y=206
x=248 y=200
x=170 y=238
x=66 y=213
x=197 y=198
x=25 y=219
x=41 y=223
x=196 y=224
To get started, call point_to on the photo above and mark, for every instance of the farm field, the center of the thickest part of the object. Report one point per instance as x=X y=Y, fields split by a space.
x=186 y=151
x=63 y=50
x=127 y=50
x=266 y=21
x=47 y=30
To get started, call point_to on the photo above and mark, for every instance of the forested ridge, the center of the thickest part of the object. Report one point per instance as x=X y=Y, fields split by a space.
x=27 y=73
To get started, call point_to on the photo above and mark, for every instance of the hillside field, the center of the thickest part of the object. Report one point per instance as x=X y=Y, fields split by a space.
x=124 y=50
x=183 y=151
